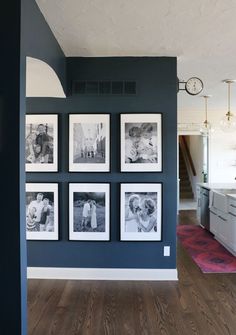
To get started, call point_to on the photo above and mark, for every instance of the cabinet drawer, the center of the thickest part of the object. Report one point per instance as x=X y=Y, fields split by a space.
x=213 y=222
x=232 y=206
x=232 y=231
x=223 y=228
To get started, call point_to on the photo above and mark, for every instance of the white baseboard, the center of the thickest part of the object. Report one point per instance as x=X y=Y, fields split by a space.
x=101 y=274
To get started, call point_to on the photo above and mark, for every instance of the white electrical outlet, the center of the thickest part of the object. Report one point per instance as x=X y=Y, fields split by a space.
x=166 y=250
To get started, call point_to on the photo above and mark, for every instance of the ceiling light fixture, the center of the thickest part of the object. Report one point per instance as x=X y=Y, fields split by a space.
x=228 y=122
x=206 y=126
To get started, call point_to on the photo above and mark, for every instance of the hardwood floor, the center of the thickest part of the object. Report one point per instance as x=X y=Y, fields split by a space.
x=203 y=304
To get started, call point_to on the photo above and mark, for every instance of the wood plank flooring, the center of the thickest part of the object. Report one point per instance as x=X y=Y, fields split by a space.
x=203 y=304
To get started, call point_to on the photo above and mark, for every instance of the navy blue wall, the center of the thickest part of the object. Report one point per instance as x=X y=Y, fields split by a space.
x=38 y=40
x=156 y=92
x=12 y=177
x=23 y=32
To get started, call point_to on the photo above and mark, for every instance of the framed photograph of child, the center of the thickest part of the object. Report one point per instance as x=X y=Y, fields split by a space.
x=41 y=143
x=89 y=142
x=41 y=211
x=141 y=212
x=141 y=142
x=89 y=211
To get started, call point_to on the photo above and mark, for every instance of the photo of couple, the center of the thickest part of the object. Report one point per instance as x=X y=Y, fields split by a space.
x=141 y=212
x=141 y=143
x=39 y=143
x=89 y=212
x=39 y=212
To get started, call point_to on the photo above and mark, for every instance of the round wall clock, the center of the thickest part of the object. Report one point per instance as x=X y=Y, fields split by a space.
x=194 y=86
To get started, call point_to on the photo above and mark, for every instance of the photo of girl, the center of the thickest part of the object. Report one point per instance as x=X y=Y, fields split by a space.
x=31 y=220
x=132 y=212
x=93 y=215
x=141 y=211
x=147 y=221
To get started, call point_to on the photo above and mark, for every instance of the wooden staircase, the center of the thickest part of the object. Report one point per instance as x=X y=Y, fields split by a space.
x=185 y=185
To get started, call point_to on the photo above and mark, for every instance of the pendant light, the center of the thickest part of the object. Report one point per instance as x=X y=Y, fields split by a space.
x=206 y=126
x=228 y=122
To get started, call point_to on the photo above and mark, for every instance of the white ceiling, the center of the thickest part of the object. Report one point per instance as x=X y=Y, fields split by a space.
x=202 y=34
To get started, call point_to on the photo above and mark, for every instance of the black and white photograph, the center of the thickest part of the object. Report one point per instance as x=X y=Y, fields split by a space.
x=41 y=147
x=89 y=142
x=41 y=211
x=141 y=142
x=89 y=213
x=141 y=212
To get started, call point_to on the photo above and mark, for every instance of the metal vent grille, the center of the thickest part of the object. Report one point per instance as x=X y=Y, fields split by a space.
x=105 y=87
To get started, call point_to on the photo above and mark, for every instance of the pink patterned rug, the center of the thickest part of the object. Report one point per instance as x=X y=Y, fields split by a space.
x=208 y=254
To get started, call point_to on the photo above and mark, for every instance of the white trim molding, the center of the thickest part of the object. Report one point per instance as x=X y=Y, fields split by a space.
x=101 y=274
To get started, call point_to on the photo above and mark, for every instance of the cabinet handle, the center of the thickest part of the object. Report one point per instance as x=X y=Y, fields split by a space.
x=213 y=213
x=233 y=206
x=222 y=218
x=232 y=214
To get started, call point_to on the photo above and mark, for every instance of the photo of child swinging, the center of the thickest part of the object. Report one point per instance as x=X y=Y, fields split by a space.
x=41 y=143
x=141 y=147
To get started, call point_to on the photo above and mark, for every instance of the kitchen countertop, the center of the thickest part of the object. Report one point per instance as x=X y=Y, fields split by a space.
x=232 y=196
x=216 y=186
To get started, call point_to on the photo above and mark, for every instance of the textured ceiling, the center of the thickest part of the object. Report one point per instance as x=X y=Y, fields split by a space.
x=202 y=34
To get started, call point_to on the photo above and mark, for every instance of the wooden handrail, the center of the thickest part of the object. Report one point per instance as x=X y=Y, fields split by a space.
x=184 y=144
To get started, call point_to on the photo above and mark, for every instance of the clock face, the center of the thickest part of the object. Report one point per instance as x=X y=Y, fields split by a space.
x=194 y=86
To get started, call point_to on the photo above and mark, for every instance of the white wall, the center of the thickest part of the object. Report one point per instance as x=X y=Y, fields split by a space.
x=222 y=158
x=222 y=146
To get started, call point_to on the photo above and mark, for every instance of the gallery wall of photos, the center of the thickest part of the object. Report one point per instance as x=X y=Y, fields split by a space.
x=89 y=150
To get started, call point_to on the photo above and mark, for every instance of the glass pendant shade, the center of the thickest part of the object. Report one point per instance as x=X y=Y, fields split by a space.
x=206 y=126
x=228 y=122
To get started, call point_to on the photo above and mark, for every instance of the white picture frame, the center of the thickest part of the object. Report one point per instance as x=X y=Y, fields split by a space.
x=141 y=142
x=140 y=211
x=42 y=211
x=89 y=142
x=41 y=143
x=89 y=211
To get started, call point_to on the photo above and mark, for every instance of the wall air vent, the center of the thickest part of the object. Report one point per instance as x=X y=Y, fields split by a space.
x=105 y=87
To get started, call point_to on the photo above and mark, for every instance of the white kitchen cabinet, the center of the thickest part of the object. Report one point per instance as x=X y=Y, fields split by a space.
x=223 y=227
x=222 y=210
x=198 y=194
x=213 y=222
x=232 y=231
x=232 y=206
